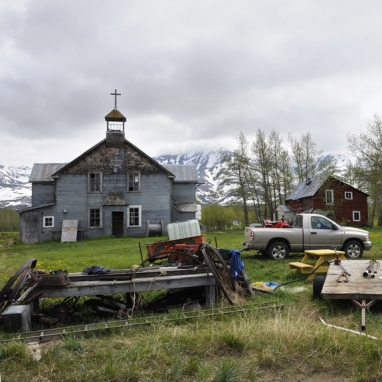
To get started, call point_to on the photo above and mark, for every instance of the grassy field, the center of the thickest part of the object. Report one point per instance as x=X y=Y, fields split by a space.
x=288 y=344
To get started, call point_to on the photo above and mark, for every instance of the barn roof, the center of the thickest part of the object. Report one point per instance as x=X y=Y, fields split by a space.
x=310 y=187
x=305 y=189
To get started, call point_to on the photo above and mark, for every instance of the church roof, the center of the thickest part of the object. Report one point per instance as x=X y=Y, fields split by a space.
x=115 y=115
x=183 y=172
x=42 y=172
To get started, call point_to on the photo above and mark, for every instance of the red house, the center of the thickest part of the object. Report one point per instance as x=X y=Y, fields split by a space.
x=331 y=197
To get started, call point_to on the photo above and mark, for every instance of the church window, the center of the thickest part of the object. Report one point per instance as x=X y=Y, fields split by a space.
x=134 y=181
x=116 y=160
x=95 y=182
x=95 y=220
x=134 y=216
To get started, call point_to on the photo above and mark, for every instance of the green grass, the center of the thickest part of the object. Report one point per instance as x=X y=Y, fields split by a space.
x=289 y=344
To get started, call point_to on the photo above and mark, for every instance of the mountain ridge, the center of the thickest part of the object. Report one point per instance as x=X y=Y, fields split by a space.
x=16 y=191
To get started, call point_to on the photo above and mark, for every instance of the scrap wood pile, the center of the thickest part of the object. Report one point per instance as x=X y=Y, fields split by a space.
x=225 y=266
x=229 y=273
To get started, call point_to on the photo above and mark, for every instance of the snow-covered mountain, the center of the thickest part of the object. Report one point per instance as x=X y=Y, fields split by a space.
x=16 y=191
x=208 y=165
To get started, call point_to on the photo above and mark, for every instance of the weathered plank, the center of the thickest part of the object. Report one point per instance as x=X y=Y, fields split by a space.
x=358 y=287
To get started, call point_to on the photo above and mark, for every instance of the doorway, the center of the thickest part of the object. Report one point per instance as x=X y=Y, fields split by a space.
x=117 y=223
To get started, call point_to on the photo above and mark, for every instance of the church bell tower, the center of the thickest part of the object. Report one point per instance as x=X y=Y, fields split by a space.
x=115 y=125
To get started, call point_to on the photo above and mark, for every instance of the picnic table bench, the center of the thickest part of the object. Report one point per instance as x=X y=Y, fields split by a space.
x=316 y=261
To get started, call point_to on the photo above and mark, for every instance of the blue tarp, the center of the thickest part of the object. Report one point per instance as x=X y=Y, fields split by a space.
x=236 y=264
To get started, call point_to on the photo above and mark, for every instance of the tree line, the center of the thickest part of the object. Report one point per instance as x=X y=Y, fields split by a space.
x=9 y=220
x=259 y=175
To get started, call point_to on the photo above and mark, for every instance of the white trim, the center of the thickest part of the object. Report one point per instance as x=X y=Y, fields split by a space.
x=331 y=193
x=44 y=222
x=354 y=219
x=139 y=217
x=350 y=195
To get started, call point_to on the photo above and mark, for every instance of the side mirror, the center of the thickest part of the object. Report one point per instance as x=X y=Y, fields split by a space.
x=335 y=227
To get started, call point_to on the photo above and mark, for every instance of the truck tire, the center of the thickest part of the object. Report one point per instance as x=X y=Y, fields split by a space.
x=278 y=250
x=353 y=249
x=318 y=284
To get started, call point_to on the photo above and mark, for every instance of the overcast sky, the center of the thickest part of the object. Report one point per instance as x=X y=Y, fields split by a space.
x=192 y=74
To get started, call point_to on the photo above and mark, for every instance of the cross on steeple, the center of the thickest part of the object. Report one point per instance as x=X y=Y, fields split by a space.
x=115 y=94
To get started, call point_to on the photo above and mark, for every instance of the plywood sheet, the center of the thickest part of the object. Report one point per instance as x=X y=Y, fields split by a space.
x=69 y=230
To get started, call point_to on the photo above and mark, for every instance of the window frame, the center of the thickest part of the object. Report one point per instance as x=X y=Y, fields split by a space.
x=99 y=182
x=44 y=222
x=349 y=195
x=134 y=189
x=128 y=223
x=354 y=213
x=329 y=197
x=90 y=209
x=116 y=160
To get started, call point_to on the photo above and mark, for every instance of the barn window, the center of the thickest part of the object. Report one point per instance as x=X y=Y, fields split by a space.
x=356 y=216
x=48 y=221
x=329 y=196
x=134 y=181
x=134 y=216
x=95 y=220
x=95 y=182
x=348 y=195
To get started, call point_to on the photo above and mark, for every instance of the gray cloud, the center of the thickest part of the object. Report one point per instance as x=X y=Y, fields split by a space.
x=199 y=70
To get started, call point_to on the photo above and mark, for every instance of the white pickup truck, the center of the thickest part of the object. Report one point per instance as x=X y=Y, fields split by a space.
x=309 y=231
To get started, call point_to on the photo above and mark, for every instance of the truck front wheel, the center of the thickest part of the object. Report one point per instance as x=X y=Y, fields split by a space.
x=278 y=250
x=353 y=249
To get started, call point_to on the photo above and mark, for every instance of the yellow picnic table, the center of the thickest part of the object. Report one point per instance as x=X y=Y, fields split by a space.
x=316 y=260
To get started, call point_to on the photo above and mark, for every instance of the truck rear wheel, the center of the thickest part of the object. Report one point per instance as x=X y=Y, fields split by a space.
x=278 y=250
x=353 y=249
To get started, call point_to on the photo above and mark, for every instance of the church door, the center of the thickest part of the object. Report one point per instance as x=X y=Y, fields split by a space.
x=117 y=223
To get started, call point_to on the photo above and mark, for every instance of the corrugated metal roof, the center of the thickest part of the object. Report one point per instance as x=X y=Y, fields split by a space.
x=42 y=172
x=284 y=208
x=183 y=172
x=305 y=189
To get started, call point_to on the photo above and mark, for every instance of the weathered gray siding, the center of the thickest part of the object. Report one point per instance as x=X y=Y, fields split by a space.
x=42 y=193
x=61 y=191
x=30 y=227
x=184 y=192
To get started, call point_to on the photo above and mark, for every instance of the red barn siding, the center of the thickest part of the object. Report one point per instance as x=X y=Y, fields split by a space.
x=342 y=209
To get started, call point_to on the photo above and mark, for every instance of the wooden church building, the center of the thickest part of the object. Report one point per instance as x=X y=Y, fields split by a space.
x=113 y=188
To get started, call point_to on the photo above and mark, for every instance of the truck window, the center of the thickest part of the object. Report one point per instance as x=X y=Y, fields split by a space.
x=320 y=223
x=298 y=222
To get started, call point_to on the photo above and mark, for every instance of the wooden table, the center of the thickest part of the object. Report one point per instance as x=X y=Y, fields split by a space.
x=363 y=291
x=316 y=261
